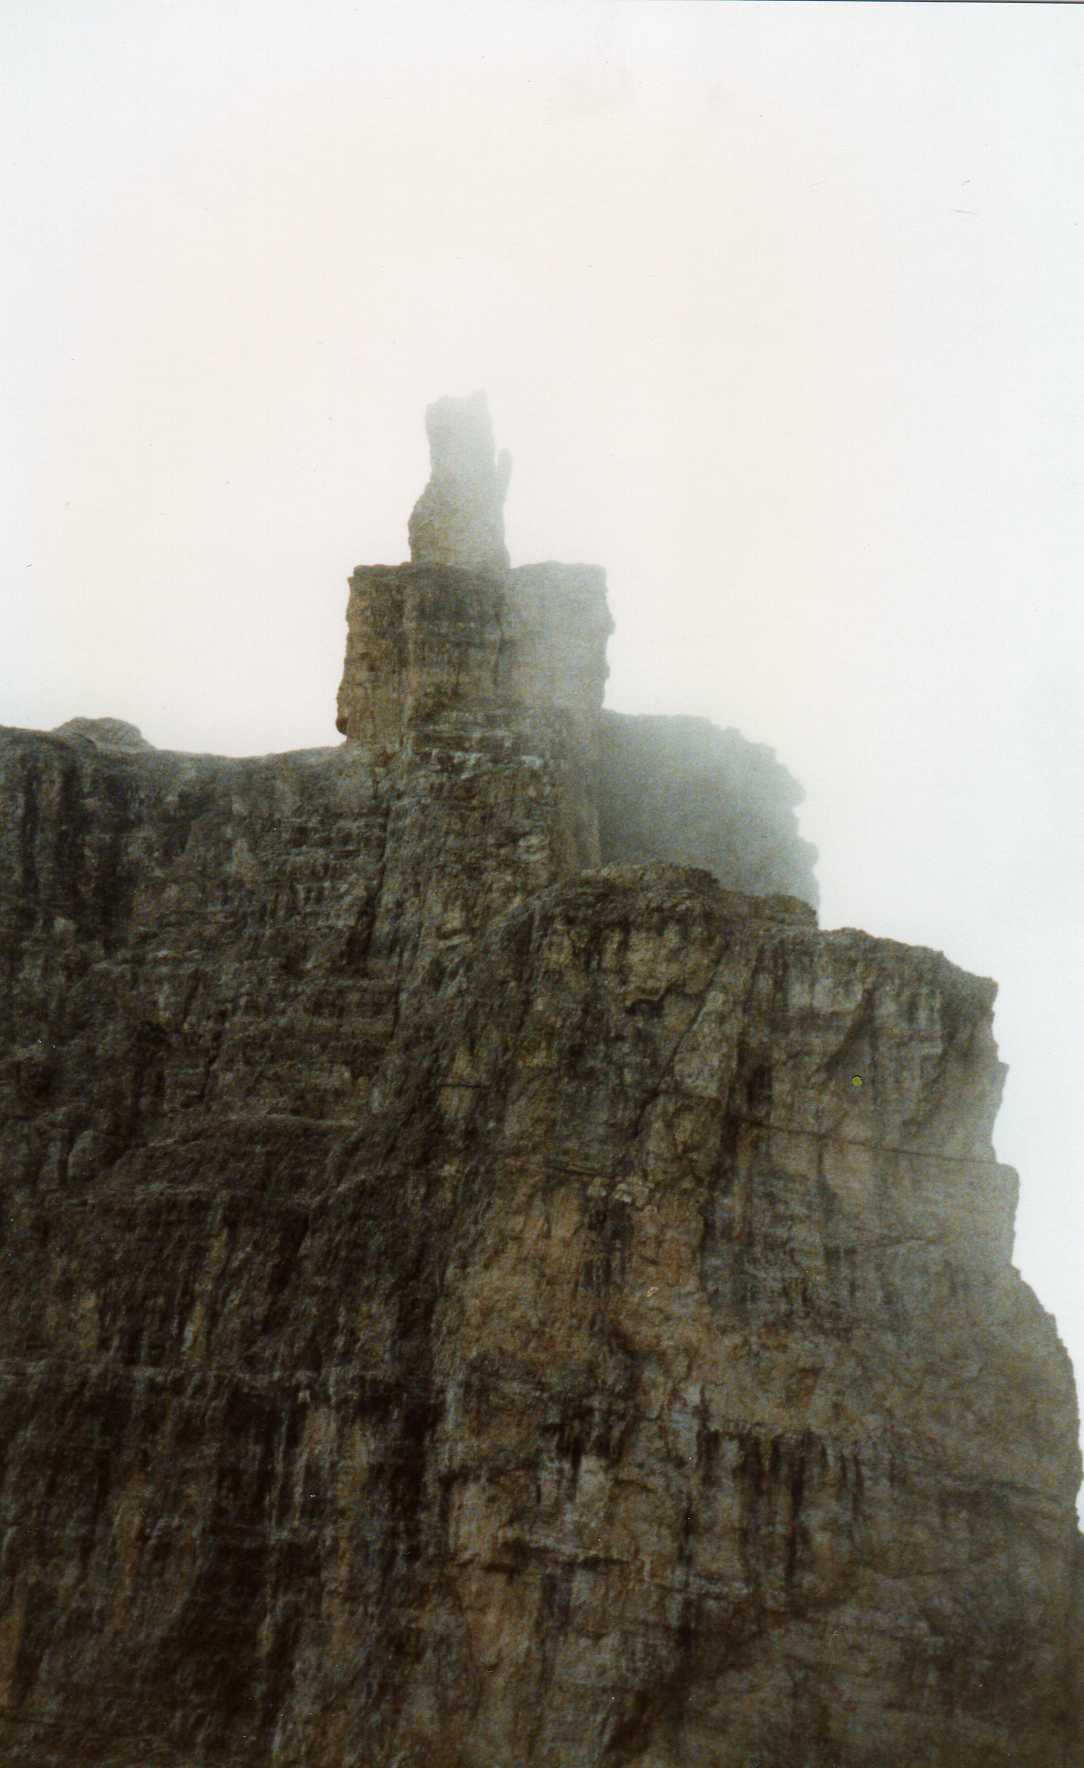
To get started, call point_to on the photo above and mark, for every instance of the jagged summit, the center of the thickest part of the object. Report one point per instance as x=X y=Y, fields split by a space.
x=459 y=517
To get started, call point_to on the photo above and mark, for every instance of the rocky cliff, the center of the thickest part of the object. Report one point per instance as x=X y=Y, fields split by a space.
x=472 y=1305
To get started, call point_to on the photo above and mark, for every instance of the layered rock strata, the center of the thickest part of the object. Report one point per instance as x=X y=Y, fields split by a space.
x=471 y=1307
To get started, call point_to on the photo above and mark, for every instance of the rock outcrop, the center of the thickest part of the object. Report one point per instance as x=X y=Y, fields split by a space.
x=470 y=1305
x=105 y=733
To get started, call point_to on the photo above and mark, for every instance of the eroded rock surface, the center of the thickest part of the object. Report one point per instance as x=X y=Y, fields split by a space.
x=469 y=1306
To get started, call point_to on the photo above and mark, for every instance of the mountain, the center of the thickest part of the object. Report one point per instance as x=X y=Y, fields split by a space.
x=487 y=1282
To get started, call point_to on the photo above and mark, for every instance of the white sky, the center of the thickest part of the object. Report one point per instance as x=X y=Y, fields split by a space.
x=779 y=310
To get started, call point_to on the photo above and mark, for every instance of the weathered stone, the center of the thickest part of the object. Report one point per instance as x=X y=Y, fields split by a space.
x=459 y=517
x=469 y=1306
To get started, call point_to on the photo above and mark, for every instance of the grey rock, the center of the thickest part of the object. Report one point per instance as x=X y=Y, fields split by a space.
x=459 y=518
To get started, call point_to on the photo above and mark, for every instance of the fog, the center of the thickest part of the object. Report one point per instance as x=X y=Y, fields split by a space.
x=778 y=311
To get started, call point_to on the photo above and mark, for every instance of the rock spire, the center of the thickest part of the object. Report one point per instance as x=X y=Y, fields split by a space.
x=459 y=517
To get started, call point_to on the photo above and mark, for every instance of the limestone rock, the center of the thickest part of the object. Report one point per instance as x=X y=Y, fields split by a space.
x=459 y=518
x=473 y=1306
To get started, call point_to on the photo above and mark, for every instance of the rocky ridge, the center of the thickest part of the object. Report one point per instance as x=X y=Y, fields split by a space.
x=482 y=1290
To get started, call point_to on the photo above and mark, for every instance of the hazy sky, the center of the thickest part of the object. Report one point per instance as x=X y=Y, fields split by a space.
x=779 y=309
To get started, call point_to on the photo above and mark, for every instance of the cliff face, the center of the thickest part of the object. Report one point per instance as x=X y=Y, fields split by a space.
x=467 y=1306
